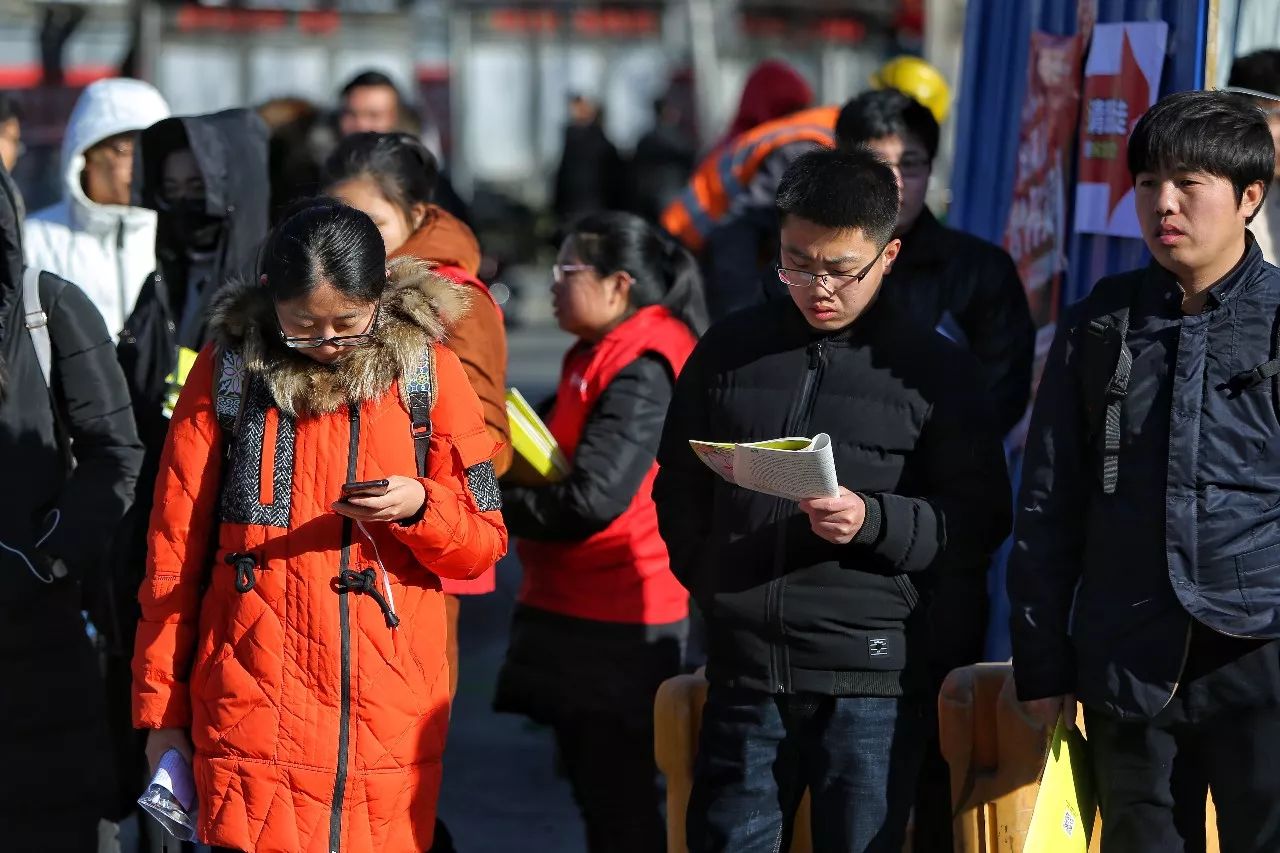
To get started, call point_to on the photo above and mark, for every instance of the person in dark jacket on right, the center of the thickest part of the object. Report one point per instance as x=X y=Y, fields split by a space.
x=969 y=290
x=1145 y=577
x=815 y=612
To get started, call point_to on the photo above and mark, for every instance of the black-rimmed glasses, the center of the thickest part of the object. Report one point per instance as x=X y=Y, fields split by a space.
x=361 y=340
x=800 y=278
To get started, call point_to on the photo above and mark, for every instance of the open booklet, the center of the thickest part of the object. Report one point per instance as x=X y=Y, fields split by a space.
x=794 y=468
x=538 y=458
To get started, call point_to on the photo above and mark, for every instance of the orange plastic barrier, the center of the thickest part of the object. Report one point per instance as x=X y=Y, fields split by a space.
x=677 y=714
x=996 y=753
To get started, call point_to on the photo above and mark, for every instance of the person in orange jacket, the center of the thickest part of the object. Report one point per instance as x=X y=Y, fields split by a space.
x=293 y=630
x=392 y=178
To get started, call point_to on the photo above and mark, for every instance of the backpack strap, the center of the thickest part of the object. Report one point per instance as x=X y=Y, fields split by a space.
x=37 y=322
x=1268 y=370
x=1117 y=390
x=1104 y=364
x=229 y=394
x=418 y=388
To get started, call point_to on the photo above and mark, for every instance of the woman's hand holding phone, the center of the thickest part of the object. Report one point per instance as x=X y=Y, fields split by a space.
x=402 y=498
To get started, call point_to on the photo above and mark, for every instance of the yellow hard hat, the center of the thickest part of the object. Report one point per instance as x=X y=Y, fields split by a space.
x=912 y=76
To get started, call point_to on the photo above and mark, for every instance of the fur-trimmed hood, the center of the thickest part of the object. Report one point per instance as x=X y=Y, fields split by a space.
x=418 y=307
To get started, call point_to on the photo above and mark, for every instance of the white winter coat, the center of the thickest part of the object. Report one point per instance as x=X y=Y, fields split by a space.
x=108 y=250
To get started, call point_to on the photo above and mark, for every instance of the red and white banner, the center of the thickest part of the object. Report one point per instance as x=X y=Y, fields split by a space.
x=1122 y=79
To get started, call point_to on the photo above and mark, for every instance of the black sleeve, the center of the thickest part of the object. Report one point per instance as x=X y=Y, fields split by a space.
x=616 y=451
x=1002 y=335
x=1045 y=564
x=685 y=488
x=93 y=407
x=967 y=511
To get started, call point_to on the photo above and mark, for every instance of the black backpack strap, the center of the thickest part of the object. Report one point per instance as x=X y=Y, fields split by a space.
x=1268 y=370
x=419 y=391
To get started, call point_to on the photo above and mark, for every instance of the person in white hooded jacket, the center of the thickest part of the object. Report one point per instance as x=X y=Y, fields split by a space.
x=94 y=237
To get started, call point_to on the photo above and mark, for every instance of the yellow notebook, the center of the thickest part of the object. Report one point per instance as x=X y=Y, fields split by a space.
x=538 y=458
x=1065 y=804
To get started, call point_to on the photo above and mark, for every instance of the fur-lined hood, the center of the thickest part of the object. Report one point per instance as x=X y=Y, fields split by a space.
x=418 y=307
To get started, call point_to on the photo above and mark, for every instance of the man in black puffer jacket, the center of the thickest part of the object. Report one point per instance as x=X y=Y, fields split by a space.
x=815 y=611
x=969 y=290
x=55 y=522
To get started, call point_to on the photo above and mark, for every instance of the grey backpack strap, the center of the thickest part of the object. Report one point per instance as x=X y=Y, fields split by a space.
x=419 y=390
x=37 y=322
x=229 y=388
x=1104 y=364
x=1117 y=390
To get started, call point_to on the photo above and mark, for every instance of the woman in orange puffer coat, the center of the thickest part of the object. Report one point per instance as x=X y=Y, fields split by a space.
x=306 y=654
x=393 y=177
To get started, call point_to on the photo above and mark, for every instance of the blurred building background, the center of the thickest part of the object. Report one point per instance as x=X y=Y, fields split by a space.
x=490 y=78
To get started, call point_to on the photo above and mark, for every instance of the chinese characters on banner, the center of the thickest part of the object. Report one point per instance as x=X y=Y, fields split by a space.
x=1122 y=80
x=1036 y=233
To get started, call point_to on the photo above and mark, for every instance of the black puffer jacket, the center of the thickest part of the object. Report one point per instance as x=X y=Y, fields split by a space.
x=52 y=720
x=970 y=288
x=787 y=611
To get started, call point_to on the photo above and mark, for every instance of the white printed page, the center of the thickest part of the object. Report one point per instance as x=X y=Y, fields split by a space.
x=793 y=474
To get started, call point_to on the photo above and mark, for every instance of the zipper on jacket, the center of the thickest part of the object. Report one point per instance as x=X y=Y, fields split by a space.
x=797 y=424
x=344 y=618
x=120 y=278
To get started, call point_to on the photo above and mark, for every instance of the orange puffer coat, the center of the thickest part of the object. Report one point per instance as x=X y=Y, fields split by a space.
x=317 y=727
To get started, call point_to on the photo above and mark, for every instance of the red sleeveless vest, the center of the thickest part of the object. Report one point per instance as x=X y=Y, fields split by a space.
x=622 y=573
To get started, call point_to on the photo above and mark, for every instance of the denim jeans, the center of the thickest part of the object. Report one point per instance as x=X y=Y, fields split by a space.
x=757 y=753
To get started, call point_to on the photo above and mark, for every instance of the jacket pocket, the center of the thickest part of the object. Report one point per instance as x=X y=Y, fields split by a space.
x=1258 y=574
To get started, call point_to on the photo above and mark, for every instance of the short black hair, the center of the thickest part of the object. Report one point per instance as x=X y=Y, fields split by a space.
x=1258 y=71
x=9 y=108
x=842 y=189
x=886 y=112
x=370 y=79
x=1218 y=133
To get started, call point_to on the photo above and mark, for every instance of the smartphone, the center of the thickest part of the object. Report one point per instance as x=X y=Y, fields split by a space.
x=365 y=489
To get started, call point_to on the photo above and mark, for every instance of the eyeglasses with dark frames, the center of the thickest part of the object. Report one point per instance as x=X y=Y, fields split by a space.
x=800 y=278
x=361 y=340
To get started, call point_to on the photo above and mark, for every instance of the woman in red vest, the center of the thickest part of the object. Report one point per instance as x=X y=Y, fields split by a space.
x=601 y=621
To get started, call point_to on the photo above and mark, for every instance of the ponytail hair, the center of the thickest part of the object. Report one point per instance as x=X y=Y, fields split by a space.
x=663 y=271
x=398 y=164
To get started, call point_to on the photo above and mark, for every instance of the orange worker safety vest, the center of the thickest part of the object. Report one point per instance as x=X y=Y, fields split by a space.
x=728 y=172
